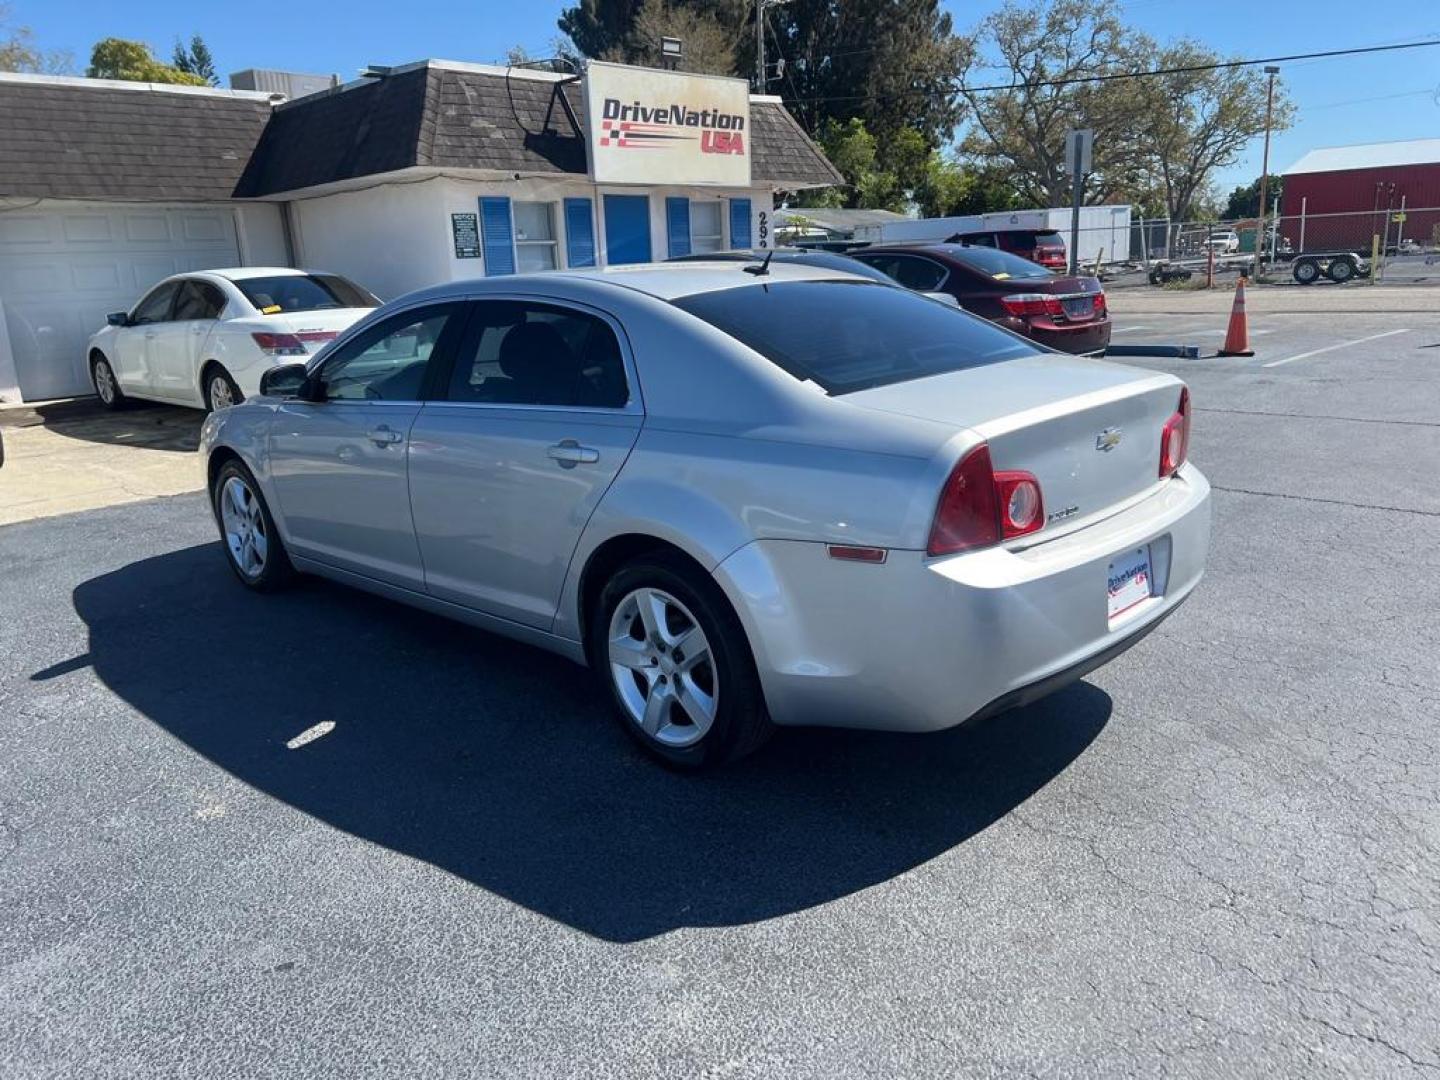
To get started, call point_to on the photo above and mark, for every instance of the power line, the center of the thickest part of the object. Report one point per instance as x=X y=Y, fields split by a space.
x=1367 y=100
x=1188 y=69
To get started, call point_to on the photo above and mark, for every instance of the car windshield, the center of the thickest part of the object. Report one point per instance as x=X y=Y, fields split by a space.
x=287 y=293
x=868 y=335
x=1049 y=239
x=996 y=264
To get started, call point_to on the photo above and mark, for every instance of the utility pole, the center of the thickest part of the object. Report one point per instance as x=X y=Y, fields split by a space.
x=1265 y=172
x=761 y=73
x=759 y=46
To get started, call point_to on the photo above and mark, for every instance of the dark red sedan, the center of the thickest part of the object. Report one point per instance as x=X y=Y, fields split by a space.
x=1064 y=313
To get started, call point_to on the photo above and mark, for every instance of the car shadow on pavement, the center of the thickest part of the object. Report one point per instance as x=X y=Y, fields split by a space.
x=142 y=424
x=500 y=763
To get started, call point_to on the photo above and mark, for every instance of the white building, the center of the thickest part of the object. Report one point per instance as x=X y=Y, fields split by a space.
x=410 y=176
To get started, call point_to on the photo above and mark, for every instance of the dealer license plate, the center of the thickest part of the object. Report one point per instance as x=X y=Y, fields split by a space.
x=1079 y=308
x=1129 y=580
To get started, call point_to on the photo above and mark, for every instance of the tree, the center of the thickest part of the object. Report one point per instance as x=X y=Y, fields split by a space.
x=132 y=61
x=983 y=189
x=18 y=51
x=1023 y=129
x=1194 y=122
x=597 y=26
x=852 y=150
x=893 y=64
x=629 y=31
x=1159 y=139
x=195 y=60
x=709 y=40
x=1244 y=201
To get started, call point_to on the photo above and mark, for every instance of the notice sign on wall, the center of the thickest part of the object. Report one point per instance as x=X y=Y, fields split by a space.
x=666 y=127
x=466 y=230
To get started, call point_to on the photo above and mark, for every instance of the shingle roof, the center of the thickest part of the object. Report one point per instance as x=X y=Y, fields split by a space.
x=458 y=119
x=64 y=139
x=75 y=139
x=1368 y=156
x=784 y=156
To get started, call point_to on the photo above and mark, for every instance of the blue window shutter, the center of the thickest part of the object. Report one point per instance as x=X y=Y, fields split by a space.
x=498 y=236
x=579 y=233
x=677 y=225
x=740 y=223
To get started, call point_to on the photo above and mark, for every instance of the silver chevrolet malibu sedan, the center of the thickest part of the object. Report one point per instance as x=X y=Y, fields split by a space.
x=744 y=495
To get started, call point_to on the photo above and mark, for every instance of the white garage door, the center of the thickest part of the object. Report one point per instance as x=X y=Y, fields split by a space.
x=64 y=266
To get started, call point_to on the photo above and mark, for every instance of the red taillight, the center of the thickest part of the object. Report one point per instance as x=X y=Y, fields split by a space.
x=279 y=344
x=1022 y=510
x=1099 y=303
x=1175 y=437
x=1032 y=304
x=979 y=507
x=317 y=335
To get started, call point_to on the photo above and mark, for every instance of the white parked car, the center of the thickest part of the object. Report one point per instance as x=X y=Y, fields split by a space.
x=204 y=339
x=1224 y=241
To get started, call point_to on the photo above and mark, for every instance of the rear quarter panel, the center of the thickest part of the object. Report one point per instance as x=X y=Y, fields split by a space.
x=711 y=495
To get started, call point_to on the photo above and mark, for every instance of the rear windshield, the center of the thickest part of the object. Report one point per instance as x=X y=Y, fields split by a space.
x=998 y=265
x=834 y=261
x=303 y=292
x=851 y=335
x=1049 y=239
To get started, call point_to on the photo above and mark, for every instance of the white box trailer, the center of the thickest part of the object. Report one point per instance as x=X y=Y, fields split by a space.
x=1104 y=230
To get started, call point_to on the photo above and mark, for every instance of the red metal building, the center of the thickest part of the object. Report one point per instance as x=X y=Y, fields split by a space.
x=1340 y=196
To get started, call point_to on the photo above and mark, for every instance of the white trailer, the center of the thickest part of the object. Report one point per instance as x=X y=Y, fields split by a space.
x=1104 y=230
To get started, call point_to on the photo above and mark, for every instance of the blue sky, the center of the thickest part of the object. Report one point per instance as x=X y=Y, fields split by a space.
x=1358 y=99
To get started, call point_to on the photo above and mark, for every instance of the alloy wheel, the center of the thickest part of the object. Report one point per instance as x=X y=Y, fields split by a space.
x=220 y=395
x=104 y=382
x=663 y=668
x=243 y=523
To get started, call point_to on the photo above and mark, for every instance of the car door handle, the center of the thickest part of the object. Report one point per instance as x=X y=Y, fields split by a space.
x=570 y=453
x=384 y=435
x=149 y=334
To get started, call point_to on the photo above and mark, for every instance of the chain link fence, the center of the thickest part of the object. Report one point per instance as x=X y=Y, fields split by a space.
x=1164 y=251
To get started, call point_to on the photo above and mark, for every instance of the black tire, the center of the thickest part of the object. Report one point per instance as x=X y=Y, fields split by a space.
x=1306 y=271
x=214 y=374
x=1341 y=271
x=275 y=570
x=741 y=721
x=107 y=386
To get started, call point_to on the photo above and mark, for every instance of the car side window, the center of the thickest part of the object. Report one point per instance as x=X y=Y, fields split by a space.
x=523 y=353
x=155 y=308
x=919 y=274
x=886 y=264
x=198 y=300
x=387 y=362
x=984 y=239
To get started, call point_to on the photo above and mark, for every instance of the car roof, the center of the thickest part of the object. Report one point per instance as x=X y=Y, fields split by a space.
x=241 y=273
x=665 y=281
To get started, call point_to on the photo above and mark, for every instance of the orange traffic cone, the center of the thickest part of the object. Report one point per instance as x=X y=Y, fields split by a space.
x=1237 y=337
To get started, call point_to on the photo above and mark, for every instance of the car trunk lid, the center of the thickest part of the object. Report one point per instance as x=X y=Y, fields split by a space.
x=1088 y=431
x=315 y=329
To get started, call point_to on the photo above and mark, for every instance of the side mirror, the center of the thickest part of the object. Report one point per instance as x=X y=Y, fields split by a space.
x=287 y=380
x=118 y=318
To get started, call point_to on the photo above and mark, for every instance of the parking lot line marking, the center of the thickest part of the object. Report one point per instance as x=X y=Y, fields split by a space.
x=1132 y=329
x=1332 y=348
x=310 y=734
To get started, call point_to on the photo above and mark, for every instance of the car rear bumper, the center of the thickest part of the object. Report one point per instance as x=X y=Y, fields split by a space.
x=919 y=644
x=1088 y=337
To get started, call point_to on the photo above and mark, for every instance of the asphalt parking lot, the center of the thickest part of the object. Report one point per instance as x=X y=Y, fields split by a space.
x=1219 y=855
